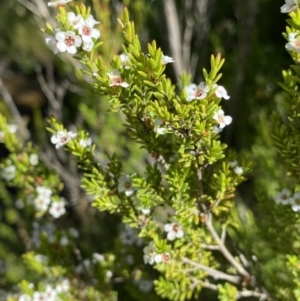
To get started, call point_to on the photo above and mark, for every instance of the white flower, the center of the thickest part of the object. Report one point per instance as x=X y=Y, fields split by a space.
x=145 y=285
x=57 y=209
x=221 y=119
x=41 y=258
x=44 y=192
x=238 y=170
x=24 y=297
x=88 y=46
x=130 y=259
x=116 y=80
x=128 y=236
x=294 y=42
x=75 y=20
x=50 y=293
x=217 y=130
x=146 y=211
x=221 y=92
x=52 y=43
x=167 y=59
x=59 y=3
x=108 y=274
x=125 y=185
x=295 y=201
x=38 y=296
x=160 y=130
x=63 y=286
x=73 y=232
x=174 y=231
x=124 y=60
x=19 y=204
x=85 y=142
x=64 y=241
x=283 y=197
x=8 y=173
x=41 y=203
x=12 y=128
x=34 y=159
x=233 y=164
x=61 y=138
x=97 y=258
x=196 y=92
x=289 y=6
x=87 y=31
x=68 y=41
x=150 y=255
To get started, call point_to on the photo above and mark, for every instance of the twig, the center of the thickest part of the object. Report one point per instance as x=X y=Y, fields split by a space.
x=14 y=110
x=210 y=247
x=212 y=272
x=247 y=293
x=223 y=249
x=205 y=284
x=174 y=34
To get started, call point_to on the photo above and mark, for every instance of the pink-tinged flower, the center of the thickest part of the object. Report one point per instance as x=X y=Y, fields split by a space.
x=196 y=92
x=165 y=257
x=222 y=119
x=221 y=92
x=50 y=293
x=294 y=42
x=283 y=197
x=61 y=138
x=67 y=41
x=57 y=209
x=296 y=202
x=38 y=296
x=289 y=6
x=87 y=30
x=124 y=60
x=174 y=231
x=75 y=20
x=59 y=3
x=116 y=79
x=167 y=59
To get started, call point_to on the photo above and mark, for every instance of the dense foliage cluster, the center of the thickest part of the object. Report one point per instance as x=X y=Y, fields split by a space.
x=123 y=181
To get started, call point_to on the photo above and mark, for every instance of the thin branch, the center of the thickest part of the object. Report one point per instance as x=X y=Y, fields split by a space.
x=14 y=110
x=246 y=293
x=212 y=272
x=205 y=284
x=223 y=248
x=71 y=180
x=174 y=34
x=210 y=247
